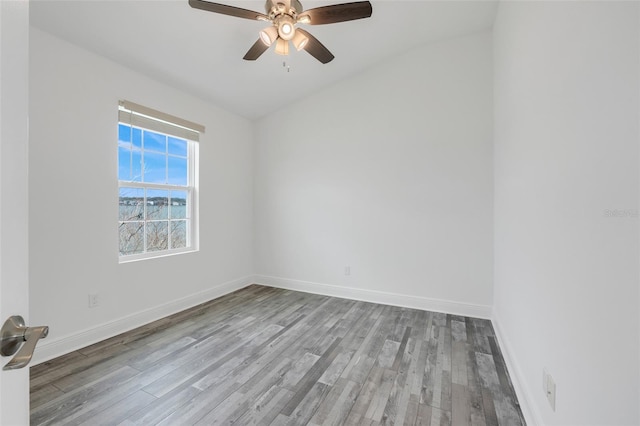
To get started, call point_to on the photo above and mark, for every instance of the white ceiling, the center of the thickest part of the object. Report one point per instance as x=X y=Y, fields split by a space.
x=201 y=52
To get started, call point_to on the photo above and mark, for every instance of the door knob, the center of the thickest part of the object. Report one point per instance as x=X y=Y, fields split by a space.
x=13 y=334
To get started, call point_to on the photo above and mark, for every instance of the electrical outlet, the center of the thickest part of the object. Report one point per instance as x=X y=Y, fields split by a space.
x=347 y=270
x=94 y=300
x=549 y=386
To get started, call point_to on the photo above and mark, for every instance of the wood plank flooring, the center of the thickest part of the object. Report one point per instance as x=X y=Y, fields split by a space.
x=266 y=356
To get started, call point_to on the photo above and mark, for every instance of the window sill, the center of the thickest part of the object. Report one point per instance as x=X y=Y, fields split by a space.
x=154 y=255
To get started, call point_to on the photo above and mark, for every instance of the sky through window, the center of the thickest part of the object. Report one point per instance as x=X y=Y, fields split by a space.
x=151 y=157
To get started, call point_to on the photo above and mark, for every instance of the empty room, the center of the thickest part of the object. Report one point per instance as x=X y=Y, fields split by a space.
x=324 y=213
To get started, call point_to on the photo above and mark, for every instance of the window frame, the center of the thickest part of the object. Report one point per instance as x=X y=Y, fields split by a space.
x=191 y=211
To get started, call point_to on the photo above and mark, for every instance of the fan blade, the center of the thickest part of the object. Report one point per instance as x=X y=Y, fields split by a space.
x=316 y=49
x=227 y=10
x=339 y=13
x=256 y=50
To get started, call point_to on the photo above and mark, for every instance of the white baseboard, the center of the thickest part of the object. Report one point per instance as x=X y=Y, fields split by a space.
x=529 y=409
x=386 y=298
x=49 y=349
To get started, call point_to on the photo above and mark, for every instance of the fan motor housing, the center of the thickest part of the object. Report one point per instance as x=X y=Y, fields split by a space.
x=275 y=7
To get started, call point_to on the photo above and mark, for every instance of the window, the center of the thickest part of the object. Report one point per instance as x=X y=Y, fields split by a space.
x=157 y=175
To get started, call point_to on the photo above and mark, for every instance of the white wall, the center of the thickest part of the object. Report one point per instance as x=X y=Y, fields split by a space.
x=73 y=200
x=566 y=155
x=390 y=173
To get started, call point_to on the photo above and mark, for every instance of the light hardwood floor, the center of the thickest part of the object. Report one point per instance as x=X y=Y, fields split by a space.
x=265 y=356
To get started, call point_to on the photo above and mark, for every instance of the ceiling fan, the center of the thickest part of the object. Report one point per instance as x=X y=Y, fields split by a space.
x=284 y=15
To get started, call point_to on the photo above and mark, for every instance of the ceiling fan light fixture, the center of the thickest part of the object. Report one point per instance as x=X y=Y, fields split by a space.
x=300 y=40
x=286 y=28
x=282 y=47
x=285 y=15
x=269 y=35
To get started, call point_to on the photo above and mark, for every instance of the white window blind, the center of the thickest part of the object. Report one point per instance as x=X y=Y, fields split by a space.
x=137 y=115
